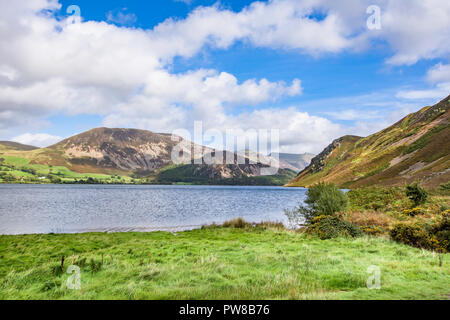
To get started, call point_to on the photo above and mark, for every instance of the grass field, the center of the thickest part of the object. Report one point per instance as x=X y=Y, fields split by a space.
x=218 y=263
x=22 y=170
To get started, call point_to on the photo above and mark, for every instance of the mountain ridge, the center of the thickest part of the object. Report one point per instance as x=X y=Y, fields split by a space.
x=17 y=146
x=139 y=154
x=416 y=148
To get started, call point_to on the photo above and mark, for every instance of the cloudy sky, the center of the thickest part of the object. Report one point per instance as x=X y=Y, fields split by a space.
x=310 y=68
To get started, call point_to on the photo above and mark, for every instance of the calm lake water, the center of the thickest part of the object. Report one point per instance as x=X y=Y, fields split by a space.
x=26 y=209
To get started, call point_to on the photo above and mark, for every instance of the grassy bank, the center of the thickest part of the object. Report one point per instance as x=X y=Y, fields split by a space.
x=218 y=263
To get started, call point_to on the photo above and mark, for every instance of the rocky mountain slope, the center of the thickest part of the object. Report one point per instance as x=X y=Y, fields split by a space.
x=138 y=154
x=125 y=149
x=417 y=148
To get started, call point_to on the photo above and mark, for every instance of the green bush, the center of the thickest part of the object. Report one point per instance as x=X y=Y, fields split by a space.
x=326 y=199
x=328 y=227
x=413 y=235
x=441 y=232
x=445 y=186
x=436 y=237
x=321 y=199
x=417 y=194
x=413 y=212
x=373 y=230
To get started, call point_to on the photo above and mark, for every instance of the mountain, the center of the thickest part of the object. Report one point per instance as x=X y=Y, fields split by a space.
x=124 y=150
x=108 y=154
x=296 y=162
x=417 y=148
x=269 y=160
x=244 y=169
x=16 y=146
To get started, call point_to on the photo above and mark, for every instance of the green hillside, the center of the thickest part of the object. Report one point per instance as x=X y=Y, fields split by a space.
x=417 y=148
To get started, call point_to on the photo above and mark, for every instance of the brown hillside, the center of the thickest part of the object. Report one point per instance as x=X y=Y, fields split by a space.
x=16 y=146
x=417 y=148
x=123 y=149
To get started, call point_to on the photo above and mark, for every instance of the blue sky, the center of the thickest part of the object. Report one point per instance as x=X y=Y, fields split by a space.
x=353 y=80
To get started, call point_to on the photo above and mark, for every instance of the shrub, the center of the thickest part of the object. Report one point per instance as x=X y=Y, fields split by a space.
x=441 y=232
x=412 y=235
x=417 y=194
x=413 y=212
x=53 y=179
x=321 y=199
x=436 y=238
x=373 y=230
x=328 y=227
x=445 y=186
x=326 y=199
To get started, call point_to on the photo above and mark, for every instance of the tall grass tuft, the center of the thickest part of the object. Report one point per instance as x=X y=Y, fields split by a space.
x=238 y=223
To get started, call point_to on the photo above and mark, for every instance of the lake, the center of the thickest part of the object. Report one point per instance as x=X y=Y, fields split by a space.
x=29 y=209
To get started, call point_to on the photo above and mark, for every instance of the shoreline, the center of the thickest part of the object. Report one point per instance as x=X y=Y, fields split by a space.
x=144 y=230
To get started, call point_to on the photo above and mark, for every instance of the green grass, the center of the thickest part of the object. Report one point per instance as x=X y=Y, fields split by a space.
x=217 y=263
x=17 y=167
x=16 y=161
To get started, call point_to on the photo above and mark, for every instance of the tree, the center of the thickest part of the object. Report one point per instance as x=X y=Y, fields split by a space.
x=417 y=194
x=326 y=199
x=321 y=199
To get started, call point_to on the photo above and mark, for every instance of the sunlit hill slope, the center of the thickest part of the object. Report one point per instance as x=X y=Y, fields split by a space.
x=417 y=148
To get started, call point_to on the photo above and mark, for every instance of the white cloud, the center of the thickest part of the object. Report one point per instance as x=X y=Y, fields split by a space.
x=439 y=73
x=416 y=29
x=121 y=17
x=37 y=140
x=98 y=68
x=123 y=74
x=439 y=92
x=275 y=24
x=299 y=131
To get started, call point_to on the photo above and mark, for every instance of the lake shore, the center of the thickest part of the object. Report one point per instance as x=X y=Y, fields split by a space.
x=264 y=262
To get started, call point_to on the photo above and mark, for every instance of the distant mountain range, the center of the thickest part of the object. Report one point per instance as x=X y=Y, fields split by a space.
x=417 y=148
x=142 y=155
x=296 y=162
